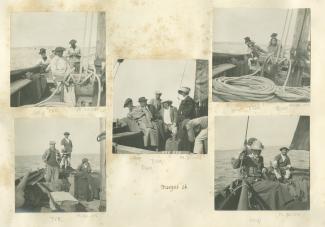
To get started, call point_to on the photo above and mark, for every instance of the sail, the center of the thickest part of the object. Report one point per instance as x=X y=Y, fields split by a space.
x=202 y=85
x=301 y=140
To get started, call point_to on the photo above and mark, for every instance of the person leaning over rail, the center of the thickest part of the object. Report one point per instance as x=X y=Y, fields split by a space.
x=197 y=130
x=52 y=158
x=275 y=194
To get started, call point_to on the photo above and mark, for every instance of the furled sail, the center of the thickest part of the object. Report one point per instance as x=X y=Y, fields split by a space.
x=301 y=139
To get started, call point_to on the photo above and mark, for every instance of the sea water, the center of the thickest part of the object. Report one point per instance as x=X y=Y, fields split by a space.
x=23 y=164
x=225 y=174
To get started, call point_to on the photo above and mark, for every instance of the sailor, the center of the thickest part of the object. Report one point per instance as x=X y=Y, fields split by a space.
x=282 y=164
x=186 y=112
x=52 y=158
x=256 y=51
x=66 y=145
x=74 y=55
x=274 y=45
x=275 y=194
x=197 y=130
x=44 y=61
x=153 y=116
x=169 y=117
x=86 y=191
x=156 y=102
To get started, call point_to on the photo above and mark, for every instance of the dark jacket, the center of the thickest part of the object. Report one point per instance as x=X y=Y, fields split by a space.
x=67 y=145
x=282 y=163
x=186 y=109
x=251 y=167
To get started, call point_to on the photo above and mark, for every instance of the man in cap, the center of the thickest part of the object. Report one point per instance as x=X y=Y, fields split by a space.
x=74 y=55
x=44 y=61
x=66 y=145
x=186 y=112
x=52 y=158
x=197 y=130
x=153 y=116
x=168 y=115
x=256 y=51
x=282 y=164
x=274 y=194
x=156 y=102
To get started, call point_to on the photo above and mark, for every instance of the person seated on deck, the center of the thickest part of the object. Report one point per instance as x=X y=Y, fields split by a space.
x=197 y=130
x=186 y=112
x=282 y=164
x=274 y=45
x=143 y=120
x=153 y=116
x=44 y=61
x=74 y=55
x=168 y=114
x=275 y=194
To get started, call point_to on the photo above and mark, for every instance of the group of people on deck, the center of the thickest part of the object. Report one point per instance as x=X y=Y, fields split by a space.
x=61 y=63
x=268 y=183
x=160 y=121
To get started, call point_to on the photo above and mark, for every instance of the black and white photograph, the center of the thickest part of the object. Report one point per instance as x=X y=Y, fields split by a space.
x=160 y=106
x=261 y=55
x=264 y=164
x=60 y=165
x=57 y=59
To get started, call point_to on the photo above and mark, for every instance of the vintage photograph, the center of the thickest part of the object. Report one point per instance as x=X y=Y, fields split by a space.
x=160 y=106
x=261 y=55
x=57 y=59
x=264 y=164
x=60 y=165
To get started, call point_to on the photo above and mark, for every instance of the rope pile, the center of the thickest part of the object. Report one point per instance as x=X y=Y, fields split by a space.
x=244 y=88
x=293 y=94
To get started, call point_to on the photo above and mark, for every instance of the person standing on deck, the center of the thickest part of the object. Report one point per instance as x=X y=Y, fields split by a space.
x=156 y=102
x=197 y=130
x=66 y=144
x=74 y=55
x=60 y=71
x=168 y=115
x=136 y=114
x=154 y=117
x=275 y=194
x=186 y=112
x=52 y=158
x=44 y=61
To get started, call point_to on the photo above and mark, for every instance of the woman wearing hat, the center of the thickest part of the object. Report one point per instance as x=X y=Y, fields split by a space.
x=274 y=45
x=274 y=194
x=74 y=55
x=282 y=164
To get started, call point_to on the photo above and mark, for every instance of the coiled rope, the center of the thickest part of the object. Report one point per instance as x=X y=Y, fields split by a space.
x=244 y=88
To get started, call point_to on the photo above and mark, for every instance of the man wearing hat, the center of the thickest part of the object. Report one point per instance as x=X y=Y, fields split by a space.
x=74 y=55
x=274 y=194
x=66 y=145
x=59 y=67
x=152 y=116
x=52 y=158
x=282 y=164
x=156 y=102
x=274 y=45
x=168 y=115
x=186 y=112
x=44 y=61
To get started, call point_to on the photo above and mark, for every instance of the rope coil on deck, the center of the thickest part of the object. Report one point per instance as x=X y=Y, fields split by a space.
x=244 y=88
x=293 y=94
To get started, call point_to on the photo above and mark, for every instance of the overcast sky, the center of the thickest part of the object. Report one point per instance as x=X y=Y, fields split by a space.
x=136 y=78
x=232 y=25
x=35 y=29
x=32 y=135
x=270 y=130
